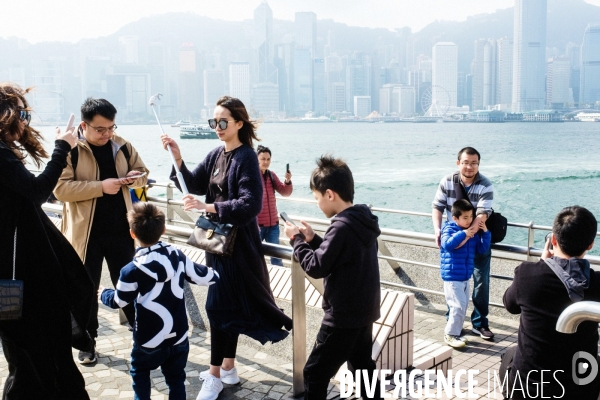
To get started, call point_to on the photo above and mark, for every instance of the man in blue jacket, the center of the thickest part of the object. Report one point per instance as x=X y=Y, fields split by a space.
x=459 y=244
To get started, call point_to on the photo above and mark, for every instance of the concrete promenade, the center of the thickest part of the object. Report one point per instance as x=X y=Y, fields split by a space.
x=264 y=376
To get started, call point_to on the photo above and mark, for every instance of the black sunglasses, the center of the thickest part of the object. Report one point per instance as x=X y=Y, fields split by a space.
x=25 y=115
x=222 y=123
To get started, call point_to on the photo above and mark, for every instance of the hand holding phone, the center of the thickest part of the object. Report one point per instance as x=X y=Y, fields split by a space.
x=286 y=218
x=132 y=177
x=549 y=240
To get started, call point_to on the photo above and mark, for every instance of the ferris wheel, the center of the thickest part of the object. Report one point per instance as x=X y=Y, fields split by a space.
x=435 y=101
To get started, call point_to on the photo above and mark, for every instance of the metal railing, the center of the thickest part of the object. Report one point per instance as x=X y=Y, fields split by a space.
x=390 y=236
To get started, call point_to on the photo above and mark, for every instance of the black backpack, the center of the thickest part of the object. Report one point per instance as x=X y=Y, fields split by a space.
x=496 y=222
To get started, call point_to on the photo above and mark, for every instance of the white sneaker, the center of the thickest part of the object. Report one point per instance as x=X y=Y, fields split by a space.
x=211 y=388
x=229 y=377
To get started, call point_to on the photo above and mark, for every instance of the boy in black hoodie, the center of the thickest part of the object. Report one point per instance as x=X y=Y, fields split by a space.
x=346 y=259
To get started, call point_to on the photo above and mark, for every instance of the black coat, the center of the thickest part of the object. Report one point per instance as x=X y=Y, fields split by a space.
x=55 y=280
x=242 y=300
x=540 y=297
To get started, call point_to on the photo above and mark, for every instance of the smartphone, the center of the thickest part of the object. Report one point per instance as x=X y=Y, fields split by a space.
x=287 y=168
x=548 y=238
x=70 y=122
x=134 y=176
x=286 y=218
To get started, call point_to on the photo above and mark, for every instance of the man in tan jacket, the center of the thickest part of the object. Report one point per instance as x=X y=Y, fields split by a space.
x=94 y=187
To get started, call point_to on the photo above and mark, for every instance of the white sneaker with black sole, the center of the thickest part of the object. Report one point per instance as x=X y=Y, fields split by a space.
x=211 y=388
x=229 y=377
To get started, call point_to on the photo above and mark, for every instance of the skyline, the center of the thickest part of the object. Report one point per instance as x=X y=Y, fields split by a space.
x=43 y=19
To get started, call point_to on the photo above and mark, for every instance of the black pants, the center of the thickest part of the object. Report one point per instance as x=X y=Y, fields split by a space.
x=222 y=345
x=505 y=364
x=333 y=347
x=44 y=369
x=118 y=250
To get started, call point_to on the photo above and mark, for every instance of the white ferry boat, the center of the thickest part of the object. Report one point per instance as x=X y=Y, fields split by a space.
x=197 y=132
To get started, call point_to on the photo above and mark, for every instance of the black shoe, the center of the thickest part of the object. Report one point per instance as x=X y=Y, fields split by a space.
x=88 y=357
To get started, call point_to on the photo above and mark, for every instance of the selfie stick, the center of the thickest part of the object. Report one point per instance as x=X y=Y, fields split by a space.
x=177 y=172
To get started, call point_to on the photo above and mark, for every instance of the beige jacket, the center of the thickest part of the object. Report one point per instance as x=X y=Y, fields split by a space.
x=79 y=189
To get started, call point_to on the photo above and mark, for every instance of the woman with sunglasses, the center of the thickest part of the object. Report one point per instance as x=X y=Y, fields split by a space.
x=56 y=287
x=242 y=301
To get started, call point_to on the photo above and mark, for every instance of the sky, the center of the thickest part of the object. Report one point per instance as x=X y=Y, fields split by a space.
x=72 y=20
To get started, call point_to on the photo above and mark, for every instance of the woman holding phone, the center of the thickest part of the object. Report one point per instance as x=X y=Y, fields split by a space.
x=242 y=301
x=56 y=288
x=268 y=220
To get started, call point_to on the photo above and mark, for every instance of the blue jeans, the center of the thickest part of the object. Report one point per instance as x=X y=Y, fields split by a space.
x=171 y=360
x=481 y=289
x=270 y=234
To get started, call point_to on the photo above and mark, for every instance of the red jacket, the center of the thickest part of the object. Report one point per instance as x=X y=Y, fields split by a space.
x=268 y=215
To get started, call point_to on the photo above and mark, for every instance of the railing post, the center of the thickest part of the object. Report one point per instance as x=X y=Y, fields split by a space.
x=170 y=212
x=530 y=240
x=299 y=328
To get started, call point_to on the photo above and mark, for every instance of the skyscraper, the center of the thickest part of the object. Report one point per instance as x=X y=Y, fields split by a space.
x=239 y=81
x=444 y=77
x=214 y=86
x=358 y=78
x=263 y=44
x=319 y=87
x=504 y=74
x=303 y=81
x=529 y=55
x=305 y=26
x=189 y=93
x=478 y=75
x=589 y=87
x=557 y=83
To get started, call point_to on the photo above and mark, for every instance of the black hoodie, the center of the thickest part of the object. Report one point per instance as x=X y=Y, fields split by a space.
x=346 y=257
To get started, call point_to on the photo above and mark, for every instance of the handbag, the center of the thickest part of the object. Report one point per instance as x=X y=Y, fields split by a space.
x=213 y=237
x=11 y=292
x=496 y=222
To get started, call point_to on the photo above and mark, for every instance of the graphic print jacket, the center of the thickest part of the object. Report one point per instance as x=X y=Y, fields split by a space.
x=154 y=282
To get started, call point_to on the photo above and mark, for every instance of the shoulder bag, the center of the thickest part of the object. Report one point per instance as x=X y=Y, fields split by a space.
x=11 y=292
x=213 y=237
x=496 y=222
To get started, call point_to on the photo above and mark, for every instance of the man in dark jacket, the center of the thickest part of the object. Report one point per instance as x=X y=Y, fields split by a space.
x=545 y=363
x=346 y=259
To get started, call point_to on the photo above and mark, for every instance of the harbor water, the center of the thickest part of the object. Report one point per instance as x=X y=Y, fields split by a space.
x=536 y=168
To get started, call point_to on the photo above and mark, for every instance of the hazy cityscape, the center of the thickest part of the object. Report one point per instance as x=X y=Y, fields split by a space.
x=538 y=61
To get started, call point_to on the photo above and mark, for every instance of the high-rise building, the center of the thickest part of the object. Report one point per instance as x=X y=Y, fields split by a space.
x=263 y=44
x=283 y=61
x=303 y=81
x=239 y=81
x=129 y=49
x=128 y=88
x=484 y=74
x=358 y=78
x=265 y=99
x=504 y=74
x=558 y=82
x=573 y=51
x=478 y=75
x=48 y=79
x=319 y=89
x=529 y=55
x=336 y=97
x=305 y=27
x=214 y=86
x=386 y=99
x=362 y=106
x=589 y=87
x=189 y=93
x=444 y=77
x=406 y=100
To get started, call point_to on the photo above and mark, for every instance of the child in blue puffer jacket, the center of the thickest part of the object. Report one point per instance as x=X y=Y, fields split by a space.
x=459 y=243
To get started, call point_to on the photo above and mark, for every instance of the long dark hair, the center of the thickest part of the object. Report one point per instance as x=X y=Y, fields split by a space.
x=10 y=123
x=247 y=133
